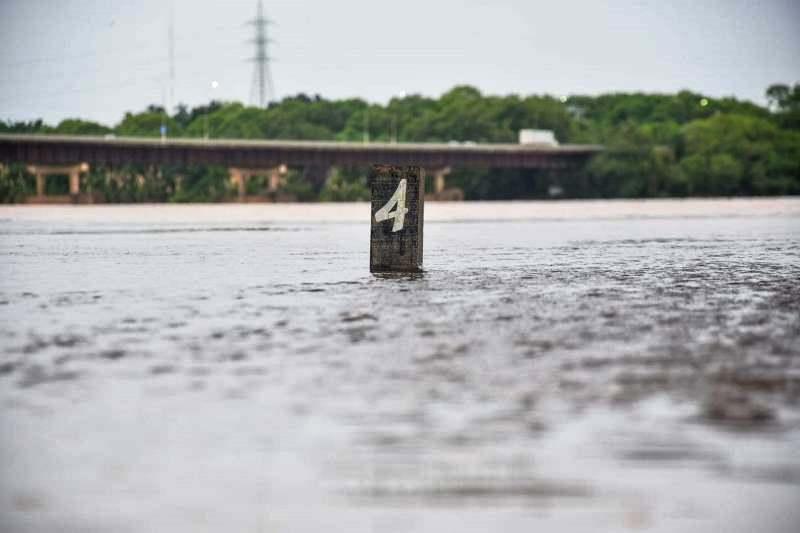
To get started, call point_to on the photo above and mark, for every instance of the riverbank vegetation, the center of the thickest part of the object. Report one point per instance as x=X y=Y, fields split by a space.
x=658 y=145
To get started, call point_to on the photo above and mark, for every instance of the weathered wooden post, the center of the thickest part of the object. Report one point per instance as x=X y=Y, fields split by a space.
x=398 y=196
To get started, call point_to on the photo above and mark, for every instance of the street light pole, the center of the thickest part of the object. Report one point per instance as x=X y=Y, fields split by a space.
x=214 y=85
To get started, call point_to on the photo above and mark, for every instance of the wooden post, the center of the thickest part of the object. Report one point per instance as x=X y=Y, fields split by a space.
x=397 y=217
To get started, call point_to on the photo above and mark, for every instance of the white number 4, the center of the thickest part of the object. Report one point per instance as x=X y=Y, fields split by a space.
x=399 y=214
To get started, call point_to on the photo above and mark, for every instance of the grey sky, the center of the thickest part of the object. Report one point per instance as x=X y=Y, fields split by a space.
x=97 y=59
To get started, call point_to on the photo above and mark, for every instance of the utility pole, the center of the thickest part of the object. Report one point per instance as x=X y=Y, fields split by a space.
x=262 y=79
x=171 y=39
x=168 y=84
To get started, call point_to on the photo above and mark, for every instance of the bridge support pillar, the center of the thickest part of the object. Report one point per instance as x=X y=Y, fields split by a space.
x=277 y=177
x=274 y=180
x=73 y=172
x=74 y=182
x=438 y=179
x=240 y=176
x=40 y=177
x=239 y=180
x=440 y=190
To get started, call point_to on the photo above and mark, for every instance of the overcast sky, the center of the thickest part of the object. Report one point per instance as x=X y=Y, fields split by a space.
x=97 y=59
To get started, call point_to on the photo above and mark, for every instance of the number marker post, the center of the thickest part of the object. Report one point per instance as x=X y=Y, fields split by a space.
x=397 y=216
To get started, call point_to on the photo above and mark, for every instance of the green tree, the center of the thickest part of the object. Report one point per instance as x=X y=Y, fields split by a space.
x=147 y=124
x=15 y=184
x=734 y=154
x=203 y=184
x=345 y=185
x=33 y=126
x=656 y=144
x=76 y=126
x=785 y=101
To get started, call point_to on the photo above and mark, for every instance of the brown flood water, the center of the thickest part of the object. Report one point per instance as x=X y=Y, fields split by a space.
x=577 y=366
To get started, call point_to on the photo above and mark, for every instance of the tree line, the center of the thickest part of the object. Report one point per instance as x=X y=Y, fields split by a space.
x=658 y=145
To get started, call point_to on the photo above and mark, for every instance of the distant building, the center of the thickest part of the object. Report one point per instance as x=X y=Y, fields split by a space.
x=538 y=137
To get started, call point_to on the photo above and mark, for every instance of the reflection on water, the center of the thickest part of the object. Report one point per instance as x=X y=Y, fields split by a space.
x=587 y=365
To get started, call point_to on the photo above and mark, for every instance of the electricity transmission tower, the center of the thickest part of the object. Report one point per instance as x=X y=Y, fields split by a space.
x=262 y=90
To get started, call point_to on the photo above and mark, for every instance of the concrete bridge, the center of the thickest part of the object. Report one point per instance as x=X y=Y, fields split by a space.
x=70 y=155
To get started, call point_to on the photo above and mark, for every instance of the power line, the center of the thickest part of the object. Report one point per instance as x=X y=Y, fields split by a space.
x=262 y=78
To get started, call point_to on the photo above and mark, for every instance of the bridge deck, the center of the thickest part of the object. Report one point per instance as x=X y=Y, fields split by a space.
x=66 y=149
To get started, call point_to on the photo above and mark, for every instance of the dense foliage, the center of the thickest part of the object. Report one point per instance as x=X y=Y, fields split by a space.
x=658 y=145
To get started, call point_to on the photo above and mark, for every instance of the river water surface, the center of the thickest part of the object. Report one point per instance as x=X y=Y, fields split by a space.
x=563 y=365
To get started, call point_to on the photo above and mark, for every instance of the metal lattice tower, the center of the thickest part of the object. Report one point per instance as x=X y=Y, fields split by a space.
x=262 y=90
